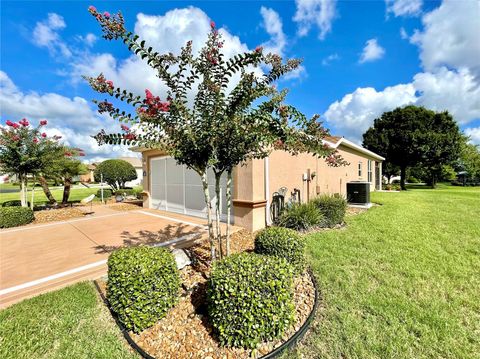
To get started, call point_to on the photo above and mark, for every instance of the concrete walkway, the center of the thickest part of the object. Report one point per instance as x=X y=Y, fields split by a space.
x=38 y=258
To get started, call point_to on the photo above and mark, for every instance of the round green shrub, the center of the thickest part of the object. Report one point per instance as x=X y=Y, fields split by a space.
x=115 y=173
x=143 y=284
x=15 y=216
x=284 y=243
x=301 y=217
x=250 y=299
x=333 y=208
x=107 y=193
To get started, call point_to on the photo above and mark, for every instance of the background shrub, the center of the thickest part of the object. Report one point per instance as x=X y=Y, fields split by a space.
x=107 y=193
x=284 y=243
x=128 y=192
x=300 y=216
x=333 y=208
x=115 y=173
x=13 y=203
x=15 y=216
x=143 y=284
x=250 y=299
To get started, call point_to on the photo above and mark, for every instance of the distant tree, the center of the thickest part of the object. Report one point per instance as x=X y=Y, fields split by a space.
x=469 y=160
x=414 y=136
x=25 y=150
x=115 y=172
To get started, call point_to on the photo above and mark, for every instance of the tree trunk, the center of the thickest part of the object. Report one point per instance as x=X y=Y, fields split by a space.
x=206 y=194
x=66 y=189
x=33 y=194
x=46 y=190
x=403 y=174
x=217 y=215
x=229 y=206
x=23 y=190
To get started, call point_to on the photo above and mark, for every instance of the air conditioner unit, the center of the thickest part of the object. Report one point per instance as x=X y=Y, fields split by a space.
x=358 y=193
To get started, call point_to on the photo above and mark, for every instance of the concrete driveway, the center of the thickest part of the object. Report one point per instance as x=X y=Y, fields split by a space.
x=38 y=258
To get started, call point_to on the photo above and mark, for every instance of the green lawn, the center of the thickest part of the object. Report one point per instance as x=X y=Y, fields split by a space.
x=69 y=323
x=76 y=194
x=401 y=281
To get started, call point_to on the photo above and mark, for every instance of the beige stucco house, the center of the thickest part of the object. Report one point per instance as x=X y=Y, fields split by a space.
x=175 y=188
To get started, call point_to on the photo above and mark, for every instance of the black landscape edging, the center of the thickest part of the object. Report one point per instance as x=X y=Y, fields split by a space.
x=290 y=343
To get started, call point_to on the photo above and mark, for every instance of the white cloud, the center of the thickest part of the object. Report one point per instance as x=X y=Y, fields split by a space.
x=45 y=34
x=404 y=7
x=403 y=33
x=274 y=27
x=474 y=133
x=328 y=60
x=372 y=51
x=354 y=113
x=89 y=39
x=320 y=13
x=451 y=36
x=71 y=118
x=443 y=90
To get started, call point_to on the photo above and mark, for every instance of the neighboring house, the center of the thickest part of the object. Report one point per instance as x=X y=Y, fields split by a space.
x=137 y=163
x=175 y=188
x=88 y=177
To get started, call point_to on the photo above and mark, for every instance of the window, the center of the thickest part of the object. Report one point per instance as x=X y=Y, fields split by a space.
x=370 y=174
x=359 y=169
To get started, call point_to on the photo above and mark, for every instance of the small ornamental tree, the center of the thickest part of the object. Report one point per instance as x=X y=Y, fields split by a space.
x=236 y=114
x=25 y=150
x=115 y=173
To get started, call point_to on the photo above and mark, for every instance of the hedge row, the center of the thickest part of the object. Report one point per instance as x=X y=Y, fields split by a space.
x=15 y=216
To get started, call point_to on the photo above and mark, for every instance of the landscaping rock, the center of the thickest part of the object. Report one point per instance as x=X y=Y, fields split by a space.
x=181 y=258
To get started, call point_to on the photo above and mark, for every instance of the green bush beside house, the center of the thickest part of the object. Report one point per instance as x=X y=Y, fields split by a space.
x=15 y=216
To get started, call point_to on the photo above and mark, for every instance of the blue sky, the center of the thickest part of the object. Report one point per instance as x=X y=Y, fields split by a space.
x=361 y=58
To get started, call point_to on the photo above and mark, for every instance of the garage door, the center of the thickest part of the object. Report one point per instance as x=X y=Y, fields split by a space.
x=178 y=189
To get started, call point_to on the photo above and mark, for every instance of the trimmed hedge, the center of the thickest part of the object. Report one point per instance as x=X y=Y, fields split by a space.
x=283 y=243
x=143 y=284
x=107 y=193
x=301 y=217
x=15 y=216
x=333 y=208
x=250 y=299
x=127 y=192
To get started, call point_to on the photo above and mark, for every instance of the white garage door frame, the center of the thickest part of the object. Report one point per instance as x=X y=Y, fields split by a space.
x=162 y=182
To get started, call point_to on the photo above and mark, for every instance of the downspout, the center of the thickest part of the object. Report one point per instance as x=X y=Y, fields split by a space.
x=266 y=176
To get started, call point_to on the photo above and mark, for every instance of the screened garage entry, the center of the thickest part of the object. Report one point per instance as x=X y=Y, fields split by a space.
x=177 y=189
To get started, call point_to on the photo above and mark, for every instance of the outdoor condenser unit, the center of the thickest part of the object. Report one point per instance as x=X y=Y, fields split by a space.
x=358 y=192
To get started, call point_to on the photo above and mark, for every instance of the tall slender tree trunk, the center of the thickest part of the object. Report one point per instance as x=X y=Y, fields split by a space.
x=403 y=174
x=46 y=190
x=67 y=185
x=206 y=194
x=229 y=206
x=33 y=194
x=23 y=190
x=217 y=214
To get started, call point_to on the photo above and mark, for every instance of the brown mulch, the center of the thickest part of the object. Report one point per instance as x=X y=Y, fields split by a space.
x=352 y=211
x=58 y=214
x=185 y=332
x=123 y=206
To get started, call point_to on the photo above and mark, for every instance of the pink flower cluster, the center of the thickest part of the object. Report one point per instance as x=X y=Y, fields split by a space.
x=24 y=122
x=105 y=106
x=43 y=122
x=101 y=84
x=125 y=128
x=112 y=26
x=153 y=105
x=129 y=136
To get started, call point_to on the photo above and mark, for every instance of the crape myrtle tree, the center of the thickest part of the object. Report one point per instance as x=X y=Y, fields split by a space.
x=414 y=136
x=236 y=112
x=26 y=150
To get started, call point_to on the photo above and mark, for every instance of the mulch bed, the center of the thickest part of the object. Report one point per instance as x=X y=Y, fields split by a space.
x=185 y=332
x=59 y=214
x=124 y=206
